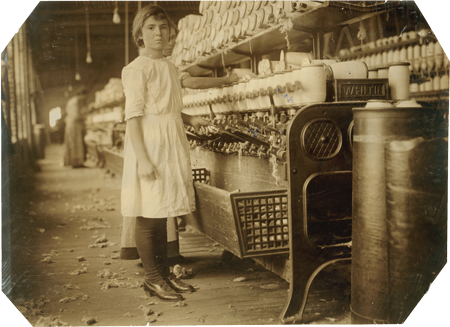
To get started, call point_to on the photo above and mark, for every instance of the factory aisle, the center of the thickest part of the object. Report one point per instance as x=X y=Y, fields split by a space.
x=65 y=241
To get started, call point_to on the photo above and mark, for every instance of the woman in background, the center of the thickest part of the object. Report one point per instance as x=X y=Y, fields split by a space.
x=74 y=147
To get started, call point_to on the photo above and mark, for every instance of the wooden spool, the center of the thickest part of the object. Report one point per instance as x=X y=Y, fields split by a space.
x=221 y=7
x=252 y=22
x=257 y=5
x=214 y=44
x=237 y=30
x=208 y=47
x=244 y=27
x=249 y=7
x=242 y=10
x=202 y=21
x=235 y=19
x=225 y=18
x=210 y=16
x=197 y=38
x=226 y=5
x=230 y=18
x=217 y=23
x=197 y=24
x=226 y=35
x=212 y=36
x=189 y=41
x=231 y=33
x=206 y=15
x=220 y=37
x=203 y=33
x=207 y=31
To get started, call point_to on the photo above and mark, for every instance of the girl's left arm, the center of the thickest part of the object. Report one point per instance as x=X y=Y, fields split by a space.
x=194 y=121
x=208 y=82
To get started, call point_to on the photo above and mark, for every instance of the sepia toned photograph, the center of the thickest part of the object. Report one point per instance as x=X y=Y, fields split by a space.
x=180 y=163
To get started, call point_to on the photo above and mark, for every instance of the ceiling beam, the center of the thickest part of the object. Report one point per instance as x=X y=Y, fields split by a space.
x=95 y=49
x=70 y=15
x=62 y=22
x=107 y=11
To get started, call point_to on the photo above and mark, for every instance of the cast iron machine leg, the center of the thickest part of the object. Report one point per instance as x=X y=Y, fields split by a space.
x=319 y=172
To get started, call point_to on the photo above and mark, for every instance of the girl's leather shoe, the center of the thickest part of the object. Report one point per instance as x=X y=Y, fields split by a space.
x=179 y=286
x=164 y=292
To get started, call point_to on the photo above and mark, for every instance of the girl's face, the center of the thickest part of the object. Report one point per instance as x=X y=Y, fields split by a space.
x=155 y=33
x=171 y=44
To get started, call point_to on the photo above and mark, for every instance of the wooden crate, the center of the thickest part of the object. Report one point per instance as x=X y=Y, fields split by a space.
x=242 y=222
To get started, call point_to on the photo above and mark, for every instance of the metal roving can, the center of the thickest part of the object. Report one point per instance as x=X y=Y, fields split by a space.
x=373 y=128
x=416 y=215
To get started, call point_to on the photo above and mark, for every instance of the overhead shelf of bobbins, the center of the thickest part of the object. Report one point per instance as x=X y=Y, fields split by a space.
x=231 y=32
x=428 y=64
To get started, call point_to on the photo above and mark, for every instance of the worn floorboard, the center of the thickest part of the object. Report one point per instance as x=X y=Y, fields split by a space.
x=50 y=216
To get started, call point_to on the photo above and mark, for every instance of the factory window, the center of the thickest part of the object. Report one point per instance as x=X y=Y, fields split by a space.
x=54 y=115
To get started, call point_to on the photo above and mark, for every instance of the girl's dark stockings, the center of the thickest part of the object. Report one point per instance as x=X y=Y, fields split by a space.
x=151 y=243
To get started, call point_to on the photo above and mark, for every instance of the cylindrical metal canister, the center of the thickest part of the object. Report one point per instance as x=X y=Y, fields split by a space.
x=444 y=82
x=428 y=86
x=350 y=70
x=416 y=184
x=410 y=57
x=264 y=99
x=373 y=128
x=438 y=55
x=242 y=102
x=384 y=58
x=436 y=83
x=278 y=89
x=296 y=73
x=399 y=80
x=413 y=88
x=403 y=55
x=313 y=83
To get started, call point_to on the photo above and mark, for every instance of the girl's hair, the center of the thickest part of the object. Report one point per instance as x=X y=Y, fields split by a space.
x=141 y=17
x=173 y=26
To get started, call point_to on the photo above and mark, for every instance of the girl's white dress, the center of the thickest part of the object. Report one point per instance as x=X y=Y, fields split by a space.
x=153 y=91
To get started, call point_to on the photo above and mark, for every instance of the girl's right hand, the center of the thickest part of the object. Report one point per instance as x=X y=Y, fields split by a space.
x=146 y=171
x=232 y=78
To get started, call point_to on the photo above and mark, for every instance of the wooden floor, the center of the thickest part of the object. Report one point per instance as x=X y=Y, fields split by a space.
x=50 y=215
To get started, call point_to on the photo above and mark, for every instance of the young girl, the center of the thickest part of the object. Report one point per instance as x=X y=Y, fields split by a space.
x=157 y=178
x=128 y=249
